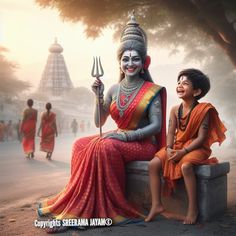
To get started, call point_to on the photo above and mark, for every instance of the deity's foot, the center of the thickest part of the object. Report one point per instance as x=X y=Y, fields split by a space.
x=39 y=211
x=57 y=230
x=191 y=218
x=155 y=210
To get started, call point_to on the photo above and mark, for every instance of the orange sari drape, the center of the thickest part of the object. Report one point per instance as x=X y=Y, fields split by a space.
x=96 y=188
x=48 y=124
x=216 y=130
x=28 y=129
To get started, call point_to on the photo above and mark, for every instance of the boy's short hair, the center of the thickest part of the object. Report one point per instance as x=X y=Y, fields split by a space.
x=198 y=79
x=30 y=102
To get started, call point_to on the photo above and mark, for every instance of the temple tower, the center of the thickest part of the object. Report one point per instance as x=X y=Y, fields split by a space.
x=55 y=79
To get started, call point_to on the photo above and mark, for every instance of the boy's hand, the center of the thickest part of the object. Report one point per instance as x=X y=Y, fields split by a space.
x=170 y=152
x=177 y=155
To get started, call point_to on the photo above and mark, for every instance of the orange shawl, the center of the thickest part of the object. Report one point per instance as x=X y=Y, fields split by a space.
x=172 y=171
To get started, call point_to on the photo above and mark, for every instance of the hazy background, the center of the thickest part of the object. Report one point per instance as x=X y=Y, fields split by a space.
x=27 y=30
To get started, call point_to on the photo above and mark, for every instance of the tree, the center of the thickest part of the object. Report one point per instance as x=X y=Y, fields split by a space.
x=10 y=85
x=181 y=22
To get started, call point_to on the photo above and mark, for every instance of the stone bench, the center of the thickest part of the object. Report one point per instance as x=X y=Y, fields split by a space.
x=211 y=189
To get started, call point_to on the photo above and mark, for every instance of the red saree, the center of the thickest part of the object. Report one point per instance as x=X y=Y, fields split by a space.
x=28 y=129
x=48 y=124
x=96 y=188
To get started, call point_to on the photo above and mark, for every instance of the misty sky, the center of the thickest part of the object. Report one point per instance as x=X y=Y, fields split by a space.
x=28 y=31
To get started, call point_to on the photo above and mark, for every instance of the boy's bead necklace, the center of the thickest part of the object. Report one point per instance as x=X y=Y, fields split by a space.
x=183 y=122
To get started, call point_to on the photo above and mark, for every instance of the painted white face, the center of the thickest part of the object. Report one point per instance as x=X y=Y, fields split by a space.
x=131 y=63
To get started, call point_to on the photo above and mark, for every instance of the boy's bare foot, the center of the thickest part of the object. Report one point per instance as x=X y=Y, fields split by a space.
x=154 y=212
x=191 y=218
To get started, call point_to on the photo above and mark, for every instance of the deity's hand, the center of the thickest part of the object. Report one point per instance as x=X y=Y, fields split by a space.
x=98 y=84
x=114 y=135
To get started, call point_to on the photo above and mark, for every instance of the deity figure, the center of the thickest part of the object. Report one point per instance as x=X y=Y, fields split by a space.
x=96 y=188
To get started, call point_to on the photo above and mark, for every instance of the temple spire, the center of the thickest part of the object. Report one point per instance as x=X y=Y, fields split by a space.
x=55 y=78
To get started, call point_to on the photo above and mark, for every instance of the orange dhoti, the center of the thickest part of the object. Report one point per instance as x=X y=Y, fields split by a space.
x=172 y=171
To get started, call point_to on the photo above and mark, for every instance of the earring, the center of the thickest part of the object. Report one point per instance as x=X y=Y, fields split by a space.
x=142 y=71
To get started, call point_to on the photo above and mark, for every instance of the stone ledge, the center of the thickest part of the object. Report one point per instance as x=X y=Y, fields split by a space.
x=201 y=171
x=211 y=189
x=212 y=171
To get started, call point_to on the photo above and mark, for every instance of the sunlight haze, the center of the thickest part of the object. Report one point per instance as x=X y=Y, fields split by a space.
x=27 y=31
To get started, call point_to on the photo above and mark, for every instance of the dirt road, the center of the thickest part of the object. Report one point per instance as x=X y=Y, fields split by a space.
x=25 y=182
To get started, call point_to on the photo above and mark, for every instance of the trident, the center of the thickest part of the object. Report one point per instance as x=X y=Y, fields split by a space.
x=97 y=72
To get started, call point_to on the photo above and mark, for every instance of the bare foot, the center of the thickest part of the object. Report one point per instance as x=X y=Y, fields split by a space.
x=155 y=210
x=191 y=218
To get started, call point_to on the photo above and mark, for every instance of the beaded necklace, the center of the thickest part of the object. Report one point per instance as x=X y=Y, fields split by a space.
x=128 y=92
x=183 y=122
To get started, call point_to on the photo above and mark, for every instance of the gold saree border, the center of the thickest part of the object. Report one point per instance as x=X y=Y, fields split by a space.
x=143 y=104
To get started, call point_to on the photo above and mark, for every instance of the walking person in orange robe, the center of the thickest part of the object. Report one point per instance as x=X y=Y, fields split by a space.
x=193 y=128
x=49 y=131
x=28 y=129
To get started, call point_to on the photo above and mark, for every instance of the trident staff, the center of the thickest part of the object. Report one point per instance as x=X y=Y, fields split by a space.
x=97 y=72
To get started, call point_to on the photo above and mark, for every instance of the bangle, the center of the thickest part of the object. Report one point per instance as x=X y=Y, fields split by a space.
x=124 y=136
x=139 y=134
x=186 y=150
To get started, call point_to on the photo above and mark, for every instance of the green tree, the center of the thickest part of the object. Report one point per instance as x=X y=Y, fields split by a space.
x=10 y=86
x=189 y=23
